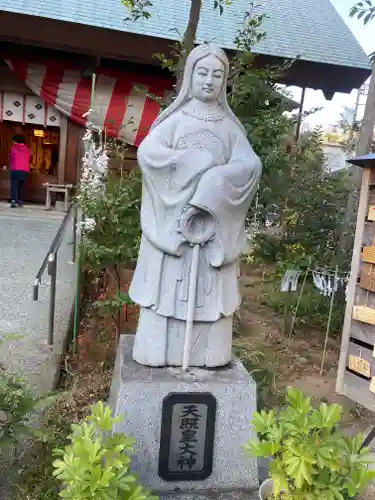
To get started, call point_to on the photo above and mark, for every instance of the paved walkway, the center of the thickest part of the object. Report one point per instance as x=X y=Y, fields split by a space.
x=25 y=237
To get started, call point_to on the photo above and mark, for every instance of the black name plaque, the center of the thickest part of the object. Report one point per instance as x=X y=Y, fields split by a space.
x=187 y=436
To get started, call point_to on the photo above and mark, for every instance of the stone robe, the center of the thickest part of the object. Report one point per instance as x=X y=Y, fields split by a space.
x=208 y=164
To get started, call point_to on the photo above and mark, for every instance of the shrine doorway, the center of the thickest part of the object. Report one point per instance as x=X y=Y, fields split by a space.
x=40 y=125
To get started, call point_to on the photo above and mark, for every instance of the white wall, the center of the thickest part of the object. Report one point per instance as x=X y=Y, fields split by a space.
x=335 y=157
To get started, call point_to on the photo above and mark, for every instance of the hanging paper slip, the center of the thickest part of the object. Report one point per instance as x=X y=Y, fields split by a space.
x=360 y=366
x=372 y=385
x=290 y=281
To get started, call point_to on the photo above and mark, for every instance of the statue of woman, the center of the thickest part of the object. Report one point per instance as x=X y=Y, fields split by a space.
x=200 y=175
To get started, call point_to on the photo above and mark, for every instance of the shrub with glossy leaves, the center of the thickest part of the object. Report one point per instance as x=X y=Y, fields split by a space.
x=312 y=459
x=96 y=463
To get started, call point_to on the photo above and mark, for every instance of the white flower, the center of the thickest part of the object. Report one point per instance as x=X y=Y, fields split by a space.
x=94 y=168
x=88 y=224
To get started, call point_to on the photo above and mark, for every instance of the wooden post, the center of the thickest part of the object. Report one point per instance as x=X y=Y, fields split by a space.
x=48 y=197
x=368 y=123
x=62 y=149
x=299 y=299
x=356 y=260
x=355 y=116
x=66 y=199
x=300 y=113
x=367 y=129
x=329 y=320
x=364 y=147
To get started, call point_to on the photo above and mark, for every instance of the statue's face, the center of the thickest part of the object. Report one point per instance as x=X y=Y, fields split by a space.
x=208 y=78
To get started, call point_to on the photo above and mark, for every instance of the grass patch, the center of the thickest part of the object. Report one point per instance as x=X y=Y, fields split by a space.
x=37 y=481
x=261 y=367
x=85 y=382
x=313 y=309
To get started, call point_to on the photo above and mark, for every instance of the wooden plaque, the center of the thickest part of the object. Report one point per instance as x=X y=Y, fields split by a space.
x=367 y=277
x=371 y=213
x=368 y=254
x=359 y=365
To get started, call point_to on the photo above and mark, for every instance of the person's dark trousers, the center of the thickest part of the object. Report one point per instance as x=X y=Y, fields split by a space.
x=17 y=185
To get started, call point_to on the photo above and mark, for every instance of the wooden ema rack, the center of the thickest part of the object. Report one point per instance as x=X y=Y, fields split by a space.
x=356 y=372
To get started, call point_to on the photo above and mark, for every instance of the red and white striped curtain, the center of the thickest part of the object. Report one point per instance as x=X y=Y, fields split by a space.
x=122 y=105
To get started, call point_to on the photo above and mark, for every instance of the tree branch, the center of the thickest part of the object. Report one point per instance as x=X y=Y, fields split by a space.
x=188 y=39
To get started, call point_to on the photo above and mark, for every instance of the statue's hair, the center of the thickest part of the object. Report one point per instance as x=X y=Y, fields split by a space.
x=184 y=95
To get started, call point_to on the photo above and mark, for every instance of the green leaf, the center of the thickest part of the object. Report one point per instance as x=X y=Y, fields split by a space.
x=95 y=464
x=298 y=400
x=331 y=415
x=263 y=420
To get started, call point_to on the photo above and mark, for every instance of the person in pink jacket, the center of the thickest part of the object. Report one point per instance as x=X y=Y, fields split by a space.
x=20 y=156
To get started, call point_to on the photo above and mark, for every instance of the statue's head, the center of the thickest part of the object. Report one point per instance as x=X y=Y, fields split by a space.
x=206 y=73
x=205 y=78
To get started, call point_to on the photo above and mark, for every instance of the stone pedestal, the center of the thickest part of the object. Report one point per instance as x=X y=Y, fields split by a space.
x=139 y=393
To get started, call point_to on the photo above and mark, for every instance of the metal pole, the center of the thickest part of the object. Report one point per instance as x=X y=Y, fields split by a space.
x=36 y=290
x=368 y=440
x=52 y=271
x=76 y=301
x=75 y=233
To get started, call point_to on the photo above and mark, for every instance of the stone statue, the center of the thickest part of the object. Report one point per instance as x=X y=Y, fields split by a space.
x=200 y=175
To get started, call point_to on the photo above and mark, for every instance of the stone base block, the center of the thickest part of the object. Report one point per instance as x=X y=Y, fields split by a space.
x=213 y=495
x=137 y=393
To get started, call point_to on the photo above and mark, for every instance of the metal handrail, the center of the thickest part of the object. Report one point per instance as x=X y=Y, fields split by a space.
x=50 y=263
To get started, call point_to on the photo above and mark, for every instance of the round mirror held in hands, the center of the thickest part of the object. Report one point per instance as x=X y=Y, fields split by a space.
x=197 y=226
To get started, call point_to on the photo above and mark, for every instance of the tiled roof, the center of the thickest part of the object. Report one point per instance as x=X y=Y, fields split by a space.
x=311 y=29
x=364 y=161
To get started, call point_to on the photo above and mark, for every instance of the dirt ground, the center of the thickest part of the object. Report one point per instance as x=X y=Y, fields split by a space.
x=278 y=361
x=294 y=362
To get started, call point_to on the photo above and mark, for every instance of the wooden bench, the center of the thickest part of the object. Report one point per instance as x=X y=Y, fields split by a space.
x=57 y=188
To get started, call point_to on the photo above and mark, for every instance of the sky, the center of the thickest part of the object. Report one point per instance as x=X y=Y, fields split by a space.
x=332 y=109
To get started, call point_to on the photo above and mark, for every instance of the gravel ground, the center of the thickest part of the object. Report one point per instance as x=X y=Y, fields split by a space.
x=24 y=242
x=25 y=237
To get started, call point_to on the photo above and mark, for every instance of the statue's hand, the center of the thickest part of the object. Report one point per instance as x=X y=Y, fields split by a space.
x=197 y=226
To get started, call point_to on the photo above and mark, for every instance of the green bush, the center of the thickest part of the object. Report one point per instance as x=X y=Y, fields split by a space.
x=312 y=459
x=267 y=249
x=260 y=367
x=114 y=233
x=19 y=408
x=313 y=309
x=96 y=463
x=36 y=479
